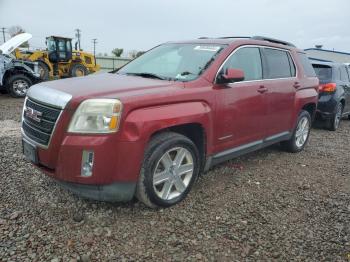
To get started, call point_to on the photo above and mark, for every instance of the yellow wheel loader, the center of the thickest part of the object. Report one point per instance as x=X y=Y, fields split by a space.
x=59 y=60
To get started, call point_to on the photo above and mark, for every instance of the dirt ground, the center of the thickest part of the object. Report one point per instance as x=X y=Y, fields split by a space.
x=268 y=205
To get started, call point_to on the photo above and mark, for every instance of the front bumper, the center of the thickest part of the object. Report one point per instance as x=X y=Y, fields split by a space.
x=116 y=192
x=115 y=170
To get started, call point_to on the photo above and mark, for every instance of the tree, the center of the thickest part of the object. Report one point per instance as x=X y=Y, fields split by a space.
x=15 y=30
x=140 y=53
x=117 y=51
x=134 y=53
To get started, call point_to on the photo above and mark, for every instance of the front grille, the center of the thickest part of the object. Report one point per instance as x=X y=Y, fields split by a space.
x=40 y=122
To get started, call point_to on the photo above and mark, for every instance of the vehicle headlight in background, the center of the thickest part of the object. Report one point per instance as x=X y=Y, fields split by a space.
x=96 y=116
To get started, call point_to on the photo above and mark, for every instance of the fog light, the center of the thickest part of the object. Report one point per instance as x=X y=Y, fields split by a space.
x=87 y=163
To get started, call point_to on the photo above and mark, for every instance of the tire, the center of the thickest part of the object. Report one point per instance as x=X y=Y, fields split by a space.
x=18 y=85
x=334 y=122
x=78 y=70
x=160 y=157
x=44 y=71
x=297 y=142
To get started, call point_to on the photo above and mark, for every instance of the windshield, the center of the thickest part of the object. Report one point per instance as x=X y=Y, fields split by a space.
x=51 y=44
x=323 y=72
x=179 y=62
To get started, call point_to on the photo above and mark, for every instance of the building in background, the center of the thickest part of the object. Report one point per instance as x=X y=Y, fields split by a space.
x=324 y=55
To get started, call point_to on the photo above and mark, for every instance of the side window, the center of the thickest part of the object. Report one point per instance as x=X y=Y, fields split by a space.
x=247 y=59
x=343 y=74
x=278 y=64
x=308 y=69
x=68 y=46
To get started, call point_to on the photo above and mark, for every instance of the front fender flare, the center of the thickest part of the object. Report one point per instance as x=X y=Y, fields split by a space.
x=141 y=124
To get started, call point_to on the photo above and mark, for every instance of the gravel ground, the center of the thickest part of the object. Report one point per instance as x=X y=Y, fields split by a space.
x=268 y=205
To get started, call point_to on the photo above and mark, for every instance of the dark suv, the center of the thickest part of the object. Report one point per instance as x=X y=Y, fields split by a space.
x=334 y=92
x=149 y=129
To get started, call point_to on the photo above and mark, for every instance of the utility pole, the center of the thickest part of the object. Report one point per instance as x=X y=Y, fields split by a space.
x=3 y=33
x=94 y=41
x=78 y=35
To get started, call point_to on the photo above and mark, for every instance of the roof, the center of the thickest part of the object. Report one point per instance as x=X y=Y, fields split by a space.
x=326 y=50
x=55 y=36
x=327 y=63
x=319 y=60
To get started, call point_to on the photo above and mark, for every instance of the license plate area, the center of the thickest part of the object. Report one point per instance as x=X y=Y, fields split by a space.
x=30 y=152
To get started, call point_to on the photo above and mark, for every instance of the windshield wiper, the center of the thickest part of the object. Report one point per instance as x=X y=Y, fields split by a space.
x=147 y=75
x=186 y=73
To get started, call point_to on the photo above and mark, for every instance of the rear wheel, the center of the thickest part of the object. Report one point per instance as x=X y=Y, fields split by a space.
x=300 y=135
x=171 y=165
x=18 y=85
x=78 y=70
x=335 y=120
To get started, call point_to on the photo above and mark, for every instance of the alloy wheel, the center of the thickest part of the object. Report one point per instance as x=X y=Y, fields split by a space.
x=173 y=173
x=338 y=116
x=302 y=132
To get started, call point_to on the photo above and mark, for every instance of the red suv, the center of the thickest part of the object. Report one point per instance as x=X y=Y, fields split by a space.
x=149 y=129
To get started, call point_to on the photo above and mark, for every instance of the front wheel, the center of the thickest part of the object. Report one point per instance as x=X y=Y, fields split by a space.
x=170 y=167
x=18 y=85
x=300 y=134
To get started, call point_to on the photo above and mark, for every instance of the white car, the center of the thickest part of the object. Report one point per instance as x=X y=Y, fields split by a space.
x=16 y=76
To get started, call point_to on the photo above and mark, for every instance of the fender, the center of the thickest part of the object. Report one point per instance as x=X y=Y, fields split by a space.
x=141 y=124
x=303 y=97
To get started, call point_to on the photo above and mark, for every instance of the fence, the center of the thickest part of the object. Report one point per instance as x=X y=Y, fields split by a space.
x=110 y=62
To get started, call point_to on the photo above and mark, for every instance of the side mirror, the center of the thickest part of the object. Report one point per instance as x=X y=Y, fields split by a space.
x=232 y=75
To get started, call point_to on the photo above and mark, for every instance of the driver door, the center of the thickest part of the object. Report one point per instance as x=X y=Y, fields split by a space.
x=241 y=106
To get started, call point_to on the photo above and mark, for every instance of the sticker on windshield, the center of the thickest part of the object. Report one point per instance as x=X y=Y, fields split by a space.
x=209 y=48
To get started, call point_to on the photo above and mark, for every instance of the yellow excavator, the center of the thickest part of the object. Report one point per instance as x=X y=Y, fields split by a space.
x=59 y=60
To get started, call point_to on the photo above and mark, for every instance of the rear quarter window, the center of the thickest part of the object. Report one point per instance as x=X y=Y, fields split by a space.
x=344 y=74
x=305 y=62
x=278 y=64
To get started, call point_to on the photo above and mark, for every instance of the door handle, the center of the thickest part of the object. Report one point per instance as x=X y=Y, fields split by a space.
x=296 y=85
x=262 y=89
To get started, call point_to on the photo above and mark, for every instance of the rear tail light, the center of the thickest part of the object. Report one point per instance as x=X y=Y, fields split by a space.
x=328 y=88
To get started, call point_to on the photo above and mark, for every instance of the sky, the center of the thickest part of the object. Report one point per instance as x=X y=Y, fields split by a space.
x=142 y=24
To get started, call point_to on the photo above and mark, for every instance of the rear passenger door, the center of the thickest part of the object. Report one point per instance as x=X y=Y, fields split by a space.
x=281 y=83
x=345 y=82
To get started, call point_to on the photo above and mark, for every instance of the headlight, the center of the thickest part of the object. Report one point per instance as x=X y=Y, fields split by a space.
x=96 y=116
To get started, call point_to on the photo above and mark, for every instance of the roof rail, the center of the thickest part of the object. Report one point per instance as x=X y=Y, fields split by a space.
x=228 y=37
x=223 y=37
x=272 y=40
x=261 y=38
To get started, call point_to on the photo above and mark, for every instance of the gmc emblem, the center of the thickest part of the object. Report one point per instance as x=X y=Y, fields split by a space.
x=33 y=114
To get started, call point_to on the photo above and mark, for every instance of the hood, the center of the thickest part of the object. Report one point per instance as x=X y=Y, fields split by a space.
x=105 y=85
x=14 y=42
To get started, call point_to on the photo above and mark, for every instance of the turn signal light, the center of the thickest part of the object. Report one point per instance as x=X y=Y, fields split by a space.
x=328 y=88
